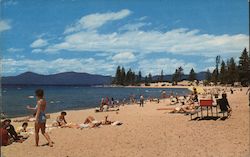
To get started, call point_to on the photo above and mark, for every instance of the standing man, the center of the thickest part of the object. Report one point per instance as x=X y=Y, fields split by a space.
x=141 y=101
x=248 y=91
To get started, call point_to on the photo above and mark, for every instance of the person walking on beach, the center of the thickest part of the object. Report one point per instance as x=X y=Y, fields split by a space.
x=40 y=123
x=248 y=91
x=141 y=101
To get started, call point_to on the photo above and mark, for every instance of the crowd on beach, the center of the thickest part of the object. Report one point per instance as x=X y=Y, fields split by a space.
x=182 y=104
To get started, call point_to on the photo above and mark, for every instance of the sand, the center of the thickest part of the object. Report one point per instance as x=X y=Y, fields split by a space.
x=146 y=132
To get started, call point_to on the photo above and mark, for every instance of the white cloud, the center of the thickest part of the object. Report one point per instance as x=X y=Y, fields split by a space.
x=4 y=25
x=124 y=57
x=39 y=43
x=210 y=68
x=12 y=66
x=154 y=66
x=12 y=50
x=37 y=50
x=177 y=41
x=210 y=60
x=142 y=18
x=94 y=21
x=134 y=26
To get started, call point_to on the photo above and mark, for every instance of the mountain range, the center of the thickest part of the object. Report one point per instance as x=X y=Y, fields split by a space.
x=66 y=78
x=71 y=78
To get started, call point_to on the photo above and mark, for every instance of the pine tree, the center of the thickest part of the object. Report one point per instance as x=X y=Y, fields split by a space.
x=146 y=81
x=162 y=76
x=117 y=79
x=175 y=77
x=232 y=73
x=192 y=75
x=150 y=79
x=216 y=72
x=180 y=73
x=244 y=68
x=123 y=76
x=223 y=73
x=128 y=77
x=133 y=78
x=214 y=76
x=139 y=78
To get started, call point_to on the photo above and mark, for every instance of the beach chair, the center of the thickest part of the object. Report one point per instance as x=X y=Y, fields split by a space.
x=195 y=112
x=208 y=104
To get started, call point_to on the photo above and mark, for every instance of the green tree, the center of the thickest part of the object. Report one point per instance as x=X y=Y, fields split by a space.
x=162 y=76
x=175 y=77
x=223 y=73
x=214 y=76
x=244 y=67
x=216 y=72
x=117 y=79
x=139 y=78
x=150 y=79
x=192 y=75
x=128 y=77
x=232 y=71
x=146 y=81
x=180 y=73
x=123 y=76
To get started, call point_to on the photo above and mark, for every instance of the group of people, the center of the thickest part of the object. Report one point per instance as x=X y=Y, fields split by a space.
x=9 y=133
x=107 y=103
x=191 y=104
x=90 y=122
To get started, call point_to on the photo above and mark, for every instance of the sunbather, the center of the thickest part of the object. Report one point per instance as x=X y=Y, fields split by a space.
x=91 y=122
x=27 y=119
x=184 y=108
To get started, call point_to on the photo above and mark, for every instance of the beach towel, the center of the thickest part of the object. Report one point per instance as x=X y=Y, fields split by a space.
x=116 y=123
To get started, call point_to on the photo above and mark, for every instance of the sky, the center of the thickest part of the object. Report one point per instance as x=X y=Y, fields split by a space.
x=96 y=36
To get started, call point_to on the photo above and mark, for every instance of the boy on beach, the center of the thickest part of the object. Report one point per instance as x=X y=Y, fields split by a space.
x=60 y=120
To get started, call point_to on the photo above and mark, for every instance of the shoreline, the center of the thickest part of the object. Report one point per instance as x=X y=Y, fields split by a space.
x=146 y=132
x=89 y=108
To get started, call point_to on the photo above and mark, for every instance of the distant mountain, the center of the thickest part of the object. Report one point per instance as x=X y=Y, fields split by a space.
x=72 y=78
x=66 y=78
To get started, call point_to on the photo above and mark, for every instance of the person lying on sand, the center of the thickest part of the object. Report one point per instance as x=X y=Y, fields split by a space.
x=184 y=108
x=27 y=119
x=60 y=120
x=91 y=122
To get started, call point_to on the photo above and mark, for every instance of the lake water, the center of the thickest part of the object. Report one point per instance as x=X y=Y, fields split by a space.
x=59 y=98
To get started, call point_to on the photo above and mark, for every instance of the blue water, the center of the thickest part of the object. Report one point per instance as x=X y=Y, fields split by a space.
x=15 y=99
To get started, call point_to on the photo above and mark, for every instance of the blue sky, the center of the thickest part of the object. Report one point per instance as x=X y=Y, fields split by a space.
x=96 y=36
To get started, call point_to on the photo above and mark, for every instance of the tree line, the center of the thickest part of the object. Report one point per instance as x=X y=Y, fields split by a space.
x=228 y=72
x=225 y=72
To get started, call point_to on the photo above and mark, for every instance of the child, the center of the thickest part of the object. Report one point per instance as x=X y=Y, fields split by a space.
x=60 y=120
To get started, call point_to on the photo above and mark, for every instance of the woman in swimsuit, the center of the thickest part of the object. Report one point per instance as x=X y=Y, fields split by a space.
x=40 y=117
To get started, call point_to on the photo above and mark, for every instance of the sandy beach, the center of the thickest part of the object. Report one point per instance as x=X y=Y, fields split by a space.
x=146 y=132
